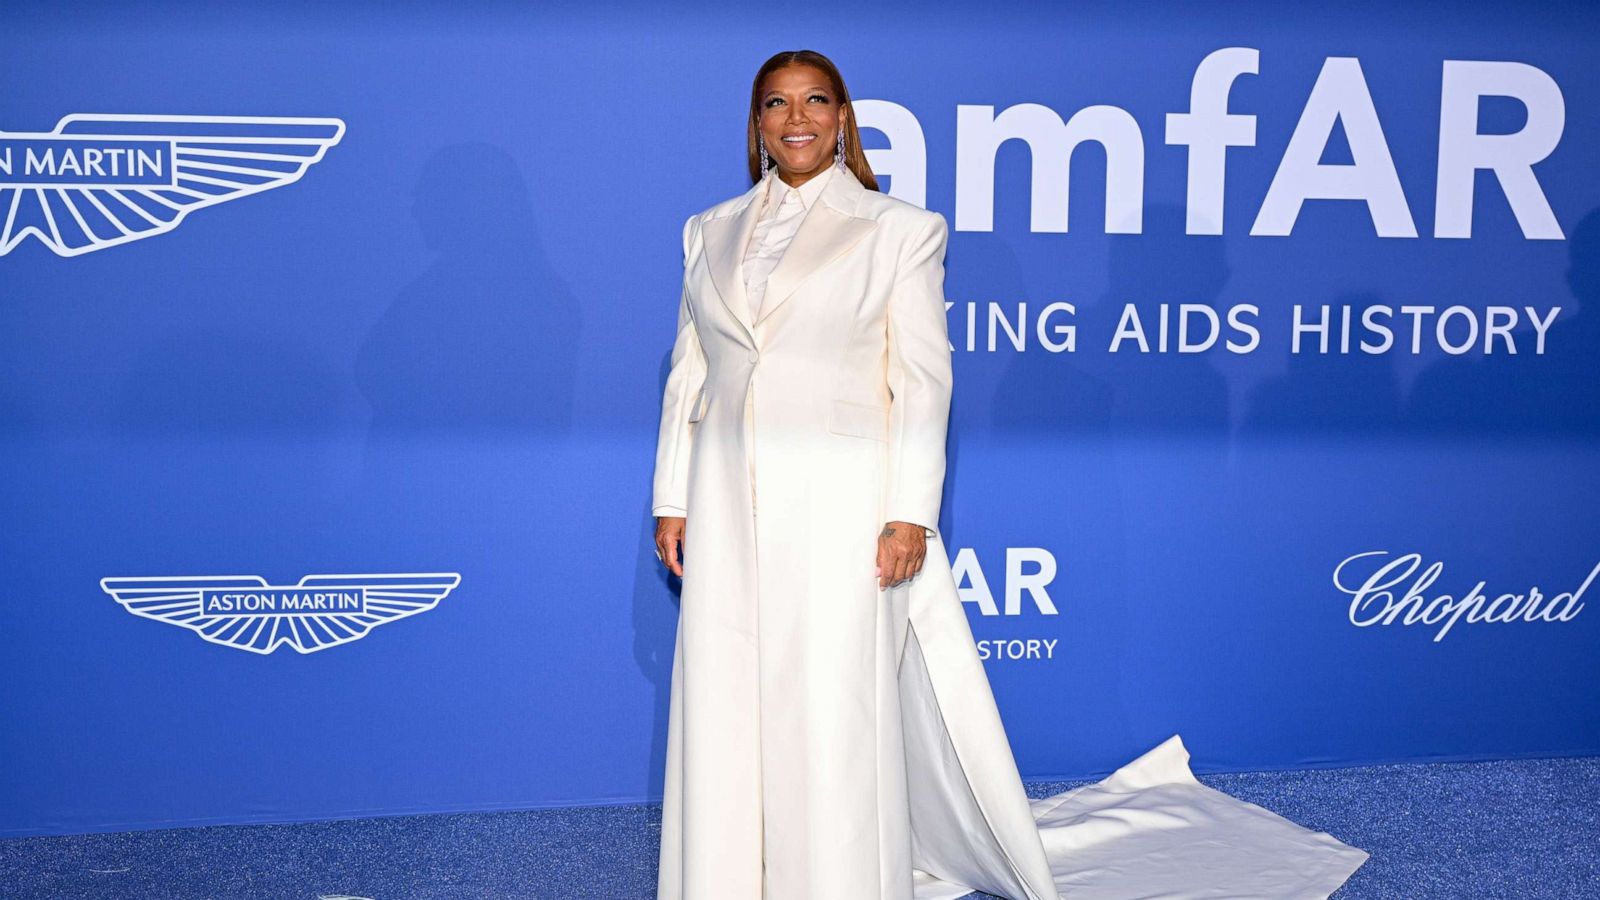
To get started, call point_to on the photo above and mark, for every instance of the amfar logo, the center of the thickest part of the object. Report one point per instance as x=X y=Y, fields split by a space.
x=1018 y=580
x=102 y=180
x=1339 y=101
x=244 y=611
x=966 y=568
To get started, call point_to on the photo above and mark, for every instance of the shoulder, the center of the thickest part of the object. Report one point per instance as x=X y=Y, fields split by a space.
x=918 y=235
x=717 y=210
x=900 y=216
x=721 y=208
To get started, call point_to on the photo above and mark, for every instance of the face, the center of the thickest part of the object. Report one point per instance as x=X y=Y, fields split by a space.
x=800 y=120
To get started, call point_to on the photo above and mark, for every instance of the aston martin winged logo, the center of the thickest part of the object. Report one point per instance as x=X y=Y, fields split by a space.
x=244 y=611
x=102 y=180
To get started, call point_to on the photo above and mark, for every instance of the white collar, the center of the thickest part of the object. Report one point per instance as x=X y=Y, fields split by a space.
x=809 y=192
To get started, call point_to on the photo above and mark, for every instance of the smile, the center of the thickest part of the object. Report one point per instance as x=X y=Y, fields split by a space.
x=797 y=140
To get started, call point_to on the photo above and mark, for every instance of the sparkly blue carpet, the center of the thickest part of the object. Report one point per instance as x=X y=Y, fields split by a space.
x=1523 y=828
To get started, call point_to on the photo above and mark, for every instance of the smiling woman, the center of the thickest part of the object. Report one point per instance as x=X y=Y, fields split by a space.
x=832 y=733
x=800 y=121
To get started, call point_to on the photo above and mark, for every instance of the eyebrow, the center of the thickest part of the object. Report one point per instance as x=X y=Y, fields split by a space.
x=814 y=87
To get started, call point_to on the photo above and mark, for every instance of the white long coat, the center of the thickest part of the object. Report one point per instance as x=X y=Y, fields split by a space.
x=830 y=741
x=799 y=750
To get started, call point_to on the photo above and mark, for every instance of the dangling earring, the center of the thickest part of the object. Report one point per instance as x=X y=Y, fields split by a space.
x=765 y=163
x=838 y=154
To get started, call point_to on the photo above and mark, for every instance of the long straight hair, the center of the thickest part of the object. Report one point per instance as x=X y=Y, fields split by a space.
x=854 y=156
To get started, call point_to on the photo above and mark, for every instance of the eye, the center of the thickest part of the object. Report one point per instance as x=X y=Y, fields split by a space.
x=822 y=97
x=774 y=100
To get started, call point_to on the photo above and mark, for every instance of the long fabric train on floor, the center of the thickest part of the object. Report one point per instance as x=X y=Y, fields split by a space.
x=1149 y=830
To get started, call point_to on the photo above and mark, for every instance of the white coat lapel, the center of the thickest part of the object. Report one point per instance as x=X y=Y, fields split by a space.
x=829 y=229
x=725 y=239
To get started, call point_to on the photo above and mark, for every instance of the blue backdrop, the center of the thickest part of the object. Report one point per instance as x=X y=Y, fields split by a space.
x=421 y=331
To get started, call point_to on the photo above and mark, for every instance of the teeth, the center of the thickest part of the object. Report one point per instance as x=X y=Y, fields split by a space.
x=802 y=137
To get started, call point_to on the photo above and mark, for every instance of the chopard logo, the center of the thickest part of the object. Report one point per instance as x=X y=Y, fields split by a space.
x=97 y=181
x=244 y=612
x=1394 y=594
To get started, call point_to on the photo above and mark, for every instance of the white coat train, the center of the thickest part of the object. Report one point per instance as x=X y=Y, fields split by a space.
x=828 y=740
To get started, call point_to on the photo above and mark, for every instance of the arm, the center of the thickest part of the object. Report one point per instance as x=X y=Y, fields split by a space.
x=919 y=379
x=685 y=378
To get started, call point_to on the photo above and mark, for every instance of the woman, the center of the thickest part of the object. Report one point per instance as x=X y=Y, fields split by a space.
x=832 y=734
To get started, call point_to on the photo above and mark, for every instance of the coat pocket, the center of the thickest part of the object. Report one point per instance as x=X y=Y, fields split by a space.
x=698 y=411
x=859 y=420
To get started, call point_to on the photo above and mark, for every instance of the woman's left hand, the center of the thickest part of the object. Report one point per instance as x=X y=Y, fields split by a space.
x=902 y=547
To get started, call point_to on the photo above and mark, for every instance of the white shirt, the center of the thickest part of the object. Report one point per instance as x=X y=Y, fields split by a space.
x=778 y=221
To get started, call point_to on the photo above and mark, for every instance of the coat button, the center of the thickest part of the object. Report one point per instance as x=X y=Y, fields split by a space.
x=754 y=356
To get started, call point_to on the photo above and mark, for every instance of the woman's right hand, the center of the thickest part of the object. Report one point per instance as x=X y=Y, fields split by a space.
x=669 y=542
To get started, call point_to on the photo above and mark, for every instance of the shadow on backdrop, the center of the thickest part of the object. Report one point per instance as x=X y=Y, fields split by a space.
x=469 y=465
x=978 y=266
x=1556 y=392
x=1095 y=391
x=486 y=339
x=1339 y=393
